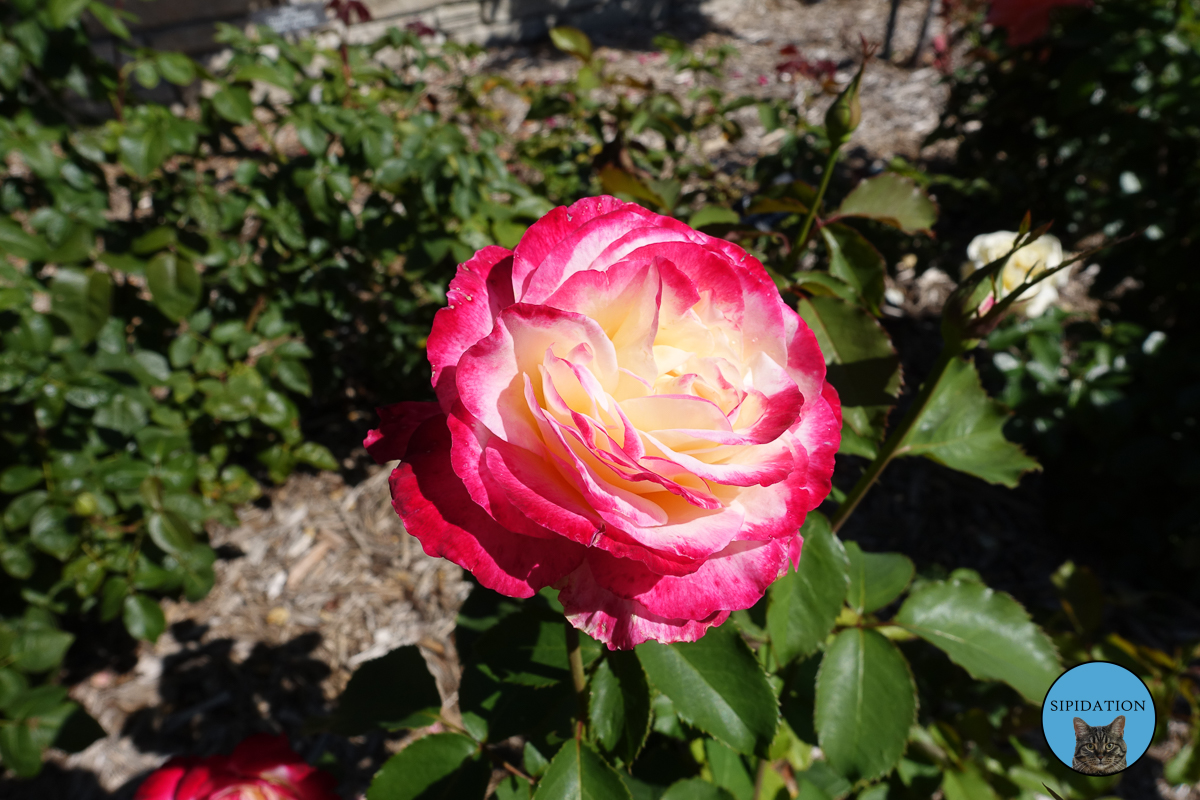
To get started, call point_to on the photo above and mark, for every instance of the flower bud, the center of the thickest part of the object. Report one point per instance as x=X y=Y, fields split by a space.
x=846 y=112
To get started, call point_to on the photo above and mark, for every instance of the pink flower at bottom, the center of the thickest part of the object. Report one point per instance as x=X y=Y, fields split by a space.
x=262 y=767
x=628 y=412
x=1026 y=20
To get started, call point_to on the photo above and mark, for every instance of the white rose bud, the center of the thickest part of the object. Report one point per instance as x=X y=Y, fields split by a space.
x=1026 y=264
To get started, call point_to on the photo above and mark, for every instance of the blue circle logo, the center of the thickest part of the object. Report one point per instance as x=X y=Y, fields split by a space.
x=1098 y=718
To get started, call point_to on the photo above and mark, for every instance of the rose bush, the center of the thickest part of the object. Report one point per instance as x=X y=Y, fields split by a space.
x=627 y=411
x=1043 y=253
x=262 y=767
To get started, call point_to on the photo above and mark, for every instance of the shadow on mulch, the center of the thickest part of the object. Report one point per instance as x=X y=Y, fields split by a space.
x=212 y=700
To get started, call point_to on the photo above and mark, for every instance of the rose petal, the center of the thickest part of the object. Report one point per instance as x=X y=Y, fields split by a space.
x=545 y=234
x=735 y=578
x=619 y=623
x=397 y=423
x=262 y=753
x=163 y=782
x=489 y=374
x=578 y=250
x=481 y=288
x=436 y=508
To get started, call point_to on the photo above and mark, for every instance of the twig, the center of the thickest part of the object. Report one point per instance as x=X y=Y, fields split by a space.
x=916 y=54
x=886 y=55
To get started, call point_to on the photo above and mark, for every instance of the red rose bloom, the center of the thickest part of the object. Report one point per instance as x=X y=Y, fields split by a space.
x=262 y=767
x=1026 y=20
x=627 y=411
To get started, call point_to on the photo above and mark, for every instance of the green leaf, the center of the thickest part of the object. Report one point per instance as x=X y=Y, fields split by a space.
x=38 y=648
x=617 y=181
x=391 y=692
x=294 y=376
x=620 y=705
x=146 y=74
x=174 y=284
x=21 y=510
x=317 y=455
x=34 y=729
x=728 y=770
x=196 y=566
x=181 y=350
x=822 y=777
x=892 y=200
x=696 y=789
x=1184 y=766
x=513 y=788
x=154 y=240
x=530 y=648
x=18 y=478
x=855 y=261
x=986 y=632
x=144 y=618
x=862 y=365
x=962 y=428
x=572 y=41
x=18 y=750
x=797 y=700
x=822 y=284
x=61 y=13
x=110 y=18
x=82 y=299
x=717 y=685
x=16 y=561
x=122 y=413
x=876 y=579
x=176 y=67
x=804 y=603
x=865 y=703
x=235 y=105
x=48 y=532
x=170 y=532
x=967 y=784
x=112 y=598
x=143 y=148
x=12 y=685
x=714 y=215
x=11 y=64
x=14 y=240
x=443 y=766
x=579 y=773
x=154 y=365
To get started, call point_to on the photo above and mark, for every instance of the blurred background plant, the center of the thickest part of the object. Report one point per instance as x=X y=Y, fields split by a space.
x=1096 y=126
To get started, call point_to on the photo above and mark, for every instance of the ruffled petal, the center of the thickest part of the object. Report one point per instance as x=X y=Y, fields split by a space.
x=548 y=234
x=438 y=511
x=620 y=623
x=480 y=290
x=163 y=782
x=397 y=423
x=733 y=579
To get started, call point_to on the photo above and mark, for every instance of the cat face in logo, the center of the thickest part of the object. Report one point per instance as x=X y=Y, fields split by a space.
x=1099 y=749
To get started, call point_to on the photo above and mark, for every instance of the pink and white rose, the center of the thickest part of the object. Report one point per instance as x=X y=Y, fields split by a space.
x=627 y=411
x=262 y=767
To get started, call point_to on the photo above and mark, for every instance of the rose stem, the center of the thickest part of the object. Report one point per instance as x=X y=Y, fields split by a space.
x=812 y=212
x=575 y=658
x=888 y=451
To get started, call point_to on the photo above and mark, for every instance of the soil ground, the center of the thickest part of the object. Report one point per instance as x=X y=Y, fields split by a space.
x=320 y=576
